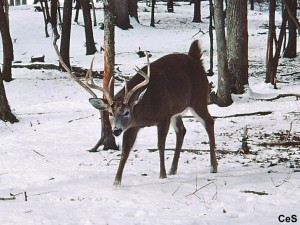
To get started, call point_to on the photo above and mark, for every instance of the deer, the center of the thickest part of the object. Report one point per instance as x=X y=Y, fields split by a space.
x=158 y=95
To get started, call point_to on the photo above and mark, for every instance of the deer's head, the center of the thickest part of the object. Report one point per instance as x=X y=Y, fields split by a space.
x=120 y=110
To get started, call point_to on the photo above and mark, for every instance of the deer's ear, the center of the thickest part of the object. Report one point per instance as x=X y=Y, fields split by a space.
x=140 y=97
x=99 y=103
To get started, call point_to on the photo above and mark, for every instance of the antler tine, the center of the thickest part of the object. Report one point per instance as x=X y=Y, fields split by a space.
x=70 y=72
x=142 y=84
x=89 y=81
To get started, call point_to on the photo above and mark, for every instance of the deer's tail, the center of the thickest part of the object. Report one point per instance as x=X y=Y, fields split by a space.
x=195 y=50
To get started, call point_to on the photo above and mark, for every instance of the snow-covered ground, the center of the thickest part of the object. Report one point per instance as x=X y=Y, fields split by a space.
x=51 y=179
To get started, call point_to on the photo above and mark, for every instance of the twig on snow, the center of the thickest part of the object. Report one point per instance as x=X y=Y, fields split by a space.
x=200 y=188
x=284 y=180
x=81 y=118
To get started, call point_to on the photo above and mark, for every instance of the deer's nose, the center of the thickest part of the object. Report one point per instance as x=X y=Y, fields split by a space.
x=117 y=131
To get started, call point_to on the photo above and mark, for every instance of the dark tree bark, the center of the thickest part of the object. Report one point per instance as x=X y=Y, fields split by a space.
x=107 y=137
x=270 y=44
x=45 y=15
x=272 y=62
x=224 y=81
x=197 y=11
x=88 y=27
x=8 y=54
x=66 y=33
x=122 y=14
x=252 y=4
x=237 y=44
x=211 y=38
x=290 y=51
x=77 y=7
x=132 y=9
x=152 y=23
x=170 y=6
x=5 y=112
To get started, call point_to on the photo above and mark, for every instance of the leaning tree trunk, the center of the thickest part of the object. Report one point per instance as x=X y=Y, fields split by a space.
x=7 y=47
x=88 y=27
x=291 y=49
x=237 y=44
x=66 y=33
x=122 y=15
x=107 y=137
x=224 y=84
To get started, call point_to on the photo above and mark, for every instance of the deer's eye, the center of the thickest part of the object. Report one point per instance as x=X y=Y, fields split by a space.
x=126 y=113
x=110 y=114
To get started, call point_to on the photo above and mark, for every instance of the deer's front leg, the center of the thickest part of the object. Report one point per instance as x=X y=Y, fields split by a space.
x=129 y=138
x=162 y=131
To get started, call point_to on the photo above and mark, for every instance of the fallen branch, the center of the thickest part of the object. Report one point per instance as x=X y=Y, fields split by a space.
x=81 y=118
x=239 y=115
x=280 y=96
x=7 y=198
x=280 y=143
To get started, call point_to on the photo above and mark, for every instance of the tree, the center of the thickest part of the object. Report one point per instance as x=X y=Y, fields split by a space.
x=272 y=61
x=224 y=84
x=132 y=9
x=270 y=45
x=170 y=6
x=197 y=11
x=66 y=33
x=88 y=27
x=152 y=23
x=122 y=15
x=5 y=112
x=107 y=137
x=291 y=49
x=7 y=45
x=237 y=44
x=211 y=39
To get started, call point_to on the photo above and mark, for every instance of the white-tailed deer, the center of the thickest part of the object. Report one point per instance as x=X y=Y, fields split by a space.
x=156 y=96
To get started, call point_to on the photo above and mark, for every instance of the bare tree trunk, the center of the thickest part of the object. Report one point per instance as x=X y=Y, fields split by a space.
x=270 y=45
x=90 y=43
x=8 y=54
x=109 y=63
x=66 y=33
x=252 y=4
x=152 y=23
x=237 y=44
x=170 y=6
x=5 y=112
x=224 y=83
x=132 y=9
x=45 y=18
x=122 y=14
x=290 y=51
x=94 y=12
x=211 y=38
x=197 y=11
x=77 y=7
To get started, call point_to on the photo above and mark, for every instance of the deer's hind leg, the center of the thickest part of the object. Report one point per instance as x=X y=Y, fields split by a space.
x=203 y=116
x=180 y=131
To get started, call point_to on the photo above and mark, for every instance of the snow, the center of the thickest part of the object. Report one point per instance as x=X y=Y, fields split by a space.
x=45 y=165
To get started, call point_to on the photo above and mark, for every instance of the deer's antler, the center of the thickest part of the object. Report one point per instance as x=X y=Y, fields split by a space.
x=142 y=84
x=89 y=84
